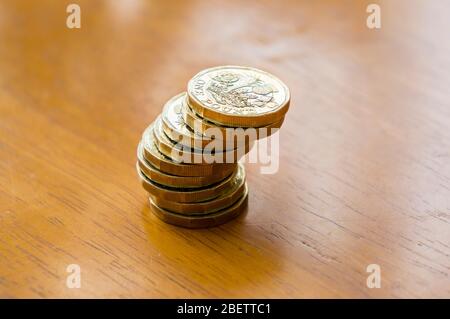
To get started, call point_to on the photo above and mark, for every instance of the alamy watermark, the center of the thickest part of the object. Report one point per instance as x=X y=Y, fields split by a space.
x=230 y=145
x=73 y=280
x=73 y=20
x=374 y=19
x=374 y=279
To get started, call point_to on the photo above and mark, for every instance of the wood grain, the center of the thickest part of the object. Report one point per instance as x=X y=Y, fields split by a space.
x=365 y=149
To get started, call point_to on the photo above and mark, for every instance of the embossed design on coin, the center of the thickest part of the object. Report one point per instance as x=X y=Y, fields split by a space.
x=234 y=90
x=179 y=120
x=232 y=95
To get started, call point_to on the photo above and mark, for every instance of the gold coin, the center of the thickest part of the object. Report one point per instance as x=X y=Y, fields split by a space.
x=182 y=154
x=176 y=129
x=238 y=96
x=186 y=195
x=173 y=180
x=228 y=197
x=166 y=165
x=205 y=127
x=202 y=221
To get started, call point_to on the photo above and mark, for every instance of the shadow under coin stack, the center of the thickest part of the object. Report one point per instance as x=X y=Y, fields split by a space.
x=185 y=161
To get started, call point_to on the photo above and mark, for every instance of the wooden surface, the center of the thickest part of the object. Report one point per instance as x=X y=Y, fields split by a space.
x=365 y=149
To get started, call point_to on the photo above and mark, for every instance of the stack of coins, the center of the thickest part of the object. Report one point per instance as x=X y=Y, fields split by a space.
x=188 y=157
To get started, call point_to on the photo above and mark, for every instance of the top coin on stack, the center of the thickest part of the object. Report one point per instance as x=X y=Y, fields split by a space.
x=238 y=96
x=187 y=157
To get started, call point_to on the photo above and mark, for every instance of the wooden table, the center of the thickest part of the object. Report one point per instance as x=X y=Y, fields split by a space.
x=364 y=172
